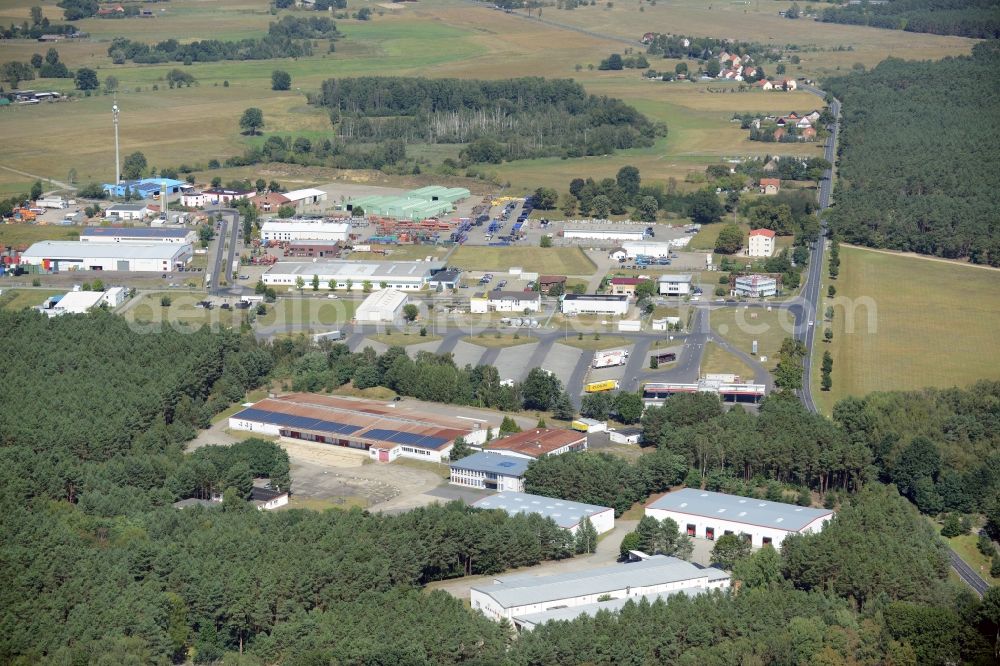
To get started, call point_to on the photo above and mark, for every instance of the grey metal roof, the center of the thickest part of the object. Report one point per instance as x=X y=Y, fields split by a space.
x=535 y=619
x=69 y=250
x=528 y=589
x=129 y=207
x=734 y=508
x=596 y=297
x=567 y=514
x=675 y=278
x=359 y=270
x=136 y=232
x=449 y=275
x=494 y=463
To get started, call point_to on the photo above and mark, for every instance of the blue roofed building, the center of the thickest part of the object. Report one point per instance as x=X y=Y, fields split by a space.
x=145 y=188
x=490 y=471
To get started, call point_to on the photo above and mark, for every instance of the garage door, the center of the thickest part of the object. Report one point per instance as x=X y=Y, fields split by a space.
x=123 y=265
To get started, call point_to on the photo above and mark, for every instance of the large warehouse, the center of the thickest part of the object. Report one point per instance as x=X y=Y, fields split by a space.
x=309 y=196
x=138 y=235
x=701 y=513
x=648 y=249
x=601 y=233
x=299 y=230
x=416 y=205
x=135 y=257
x=566 y=514
x=384 y=306
x=538 y=443
x=525 y=599
x=386 y=430
x=402 y=275
x=602 y=304
x=490 y=471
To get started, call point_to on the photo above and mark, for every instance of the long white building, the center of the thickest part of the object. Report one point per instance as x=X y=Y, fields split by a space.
x=654 y=249
x=401 y=275
x=90 y=256
x=523 y=599
x=138 y=235
x=708 y=515
x=297 y=230
x=598 y=232
x=603 y=304
x=490 y=471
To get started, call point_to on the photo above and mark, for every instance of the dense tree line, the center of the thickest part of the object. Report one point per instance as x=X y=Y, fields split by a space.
x=500 y=120
x=705 y=48
x=940 y=447
x=910 y=154
x=965 y=18
x=287 y=38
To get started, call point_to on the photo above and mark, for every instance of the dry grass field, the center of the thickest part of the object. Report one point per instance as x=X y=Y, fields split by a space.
x=26 y=234
x=717 y=360
x=554 y=261
x=742 y=325
x=435 y=38
x=903 y=323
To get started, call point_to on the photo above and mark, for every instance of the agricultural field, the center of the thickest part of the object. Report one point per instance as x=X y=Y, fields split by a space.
x=403 y=253
x=554 y=261
x=822 y=47
x=905 y=322
x=26 y=234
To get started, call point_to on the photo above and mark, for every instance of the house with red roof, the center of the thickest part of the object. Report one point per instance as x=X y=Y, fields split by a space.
x=770 y=185
x=761 y=243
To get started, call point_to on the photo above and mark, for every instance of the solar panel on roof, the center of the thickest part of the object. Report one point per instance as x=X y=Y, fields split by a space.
x=292 y=421
x=407 y=438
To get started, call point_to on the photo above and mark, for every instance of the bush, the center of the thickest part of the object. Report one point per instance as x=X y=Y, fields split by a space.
x=165 y=301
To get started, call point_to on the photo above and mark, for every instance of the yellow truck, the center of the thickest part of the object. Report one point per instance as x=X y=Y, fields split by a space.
x=597 y=387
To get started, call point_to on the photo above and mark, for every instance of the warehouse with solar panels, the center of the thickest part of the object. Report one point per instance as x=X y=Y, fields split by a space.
x=384 y=430
x=427 y=202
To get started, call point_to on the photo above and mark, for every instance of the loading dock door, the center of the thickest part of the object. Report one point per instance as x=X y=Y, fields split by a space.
x=690 y=530
x=123 y=265
x=710 y=533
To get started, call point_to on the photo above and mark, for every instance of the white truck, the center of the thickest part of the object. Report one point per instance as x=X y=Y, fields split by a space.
x=609 y=358
x=52 y=202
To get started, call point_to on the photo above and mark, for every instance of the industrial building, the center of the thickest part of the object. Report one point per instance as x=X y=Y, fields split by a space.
x=270 y=201
x=566 y=514
x=384 y=306
x=505 y=301
x=75 y=302
x=313 y=249
x=727 y=387
x=648 y=249
x=145 y=188
x=602 y=304
x=538 y=443
x=126 y=212
x=755 y=286
x=135 y=257
x=402 y=275
x=701 y=513
x=420 y=204
x=490 y=471
x=386 y=430
x=215 y=196
x=309 y=196
x=601 y=233
x=528 y=600
x=138 y=235
x=300 y=230
x=446 y=279
x=674 y=285
x=761 y=243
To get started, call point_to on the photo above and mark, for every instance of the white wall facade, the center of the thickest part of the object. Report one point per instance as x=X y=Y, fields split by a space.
x=115 y=214
x=605 y=234
x=296 y=231
x=477 y=479
x=482 y=305
x=648 y=249
x=598 y=306
x=675 y=287
x=755 y=286
x=760 y=246
x=720 y=527
x=602 y=522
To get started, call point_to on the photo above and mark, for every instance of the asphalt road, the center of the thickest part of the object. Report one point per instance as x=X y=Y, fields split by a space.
x=968 y=574
x=225 y=252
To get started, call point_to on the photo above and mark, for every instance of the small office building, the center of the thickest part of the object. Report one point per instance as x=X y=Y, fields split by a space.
x=566 y=514
x=490 y=471
x=761 y=243
x=709 y=515
x=600 y=304
x=505 y=301
x=755 y=286
x=126 y=212
x=674 y=285
x=305 y=230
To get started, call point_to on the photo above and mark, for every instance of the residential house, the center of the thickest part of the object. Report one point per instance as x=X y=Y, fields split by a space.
x=624 y=285
x=546 y=282
x=764 y=84
x=505 y=301
x=770 y=185
x=761 y=243
x=269 y=202
x=808 y=134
